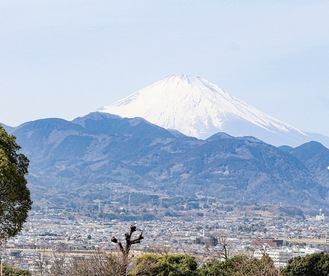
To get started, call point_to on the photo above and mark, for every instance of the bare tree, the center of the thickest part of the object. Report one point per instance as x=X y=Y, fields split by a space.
x=59 y=265
x=124 y=250
x=97 y=263
x=223 y=243
x=43 y=263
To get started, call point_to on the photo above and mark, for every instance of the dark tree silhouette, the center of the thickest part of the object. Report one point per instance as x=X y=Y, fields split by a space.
x=124 y=250
x=15 y=201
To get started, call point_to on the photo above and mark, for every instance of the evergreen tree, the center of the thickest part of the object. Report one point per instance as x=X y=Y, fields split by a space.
x=165 y=265
x=15 y=201
x=316 y=264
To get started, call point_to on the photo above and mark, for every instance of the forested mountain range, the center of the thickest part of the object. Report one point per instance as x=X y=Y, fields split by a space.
x=93 y=155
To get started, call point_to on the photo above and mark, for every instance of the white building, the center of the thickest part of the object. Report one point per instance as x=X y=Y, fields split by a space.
x=282 y=255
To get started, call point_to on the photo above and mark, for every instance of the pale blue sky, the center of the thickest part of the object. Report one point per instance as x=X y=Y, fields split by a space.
x=68 y=58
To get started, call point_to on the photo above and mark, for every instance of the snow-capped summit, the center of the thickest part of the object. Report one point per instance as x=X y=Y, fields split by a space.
x=196 y=107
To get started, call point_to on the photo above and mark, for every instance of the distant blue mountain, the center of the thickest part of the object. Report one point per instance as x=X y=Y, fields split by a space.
x=100 y=154
x=315 y=157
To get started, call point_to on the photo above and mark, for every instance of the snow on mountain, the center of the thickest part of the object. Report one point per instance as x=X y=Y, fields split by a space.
x=196 y=107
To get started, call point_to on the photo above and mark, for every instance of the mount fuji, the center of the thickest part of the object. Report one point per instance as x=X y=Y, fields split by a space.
x=198 y=108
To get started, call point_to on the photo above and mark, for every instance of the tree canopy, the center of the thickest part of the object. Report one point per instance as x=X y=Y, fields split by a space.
x=15 y=201
x=163 y=265
x=313 y=264
x=8 y=270
x=240 y=265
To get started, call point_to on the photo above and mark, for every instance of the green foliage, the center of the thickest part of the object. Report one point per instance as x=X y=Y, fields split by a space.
x=165 y=265
x=15 y=199
x=313 y=264
x=240 y=265
x=10 y=271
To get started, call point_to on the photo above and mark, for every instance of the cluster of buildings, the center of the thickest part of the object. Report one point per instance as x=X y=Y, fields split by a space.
x=203 y=236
